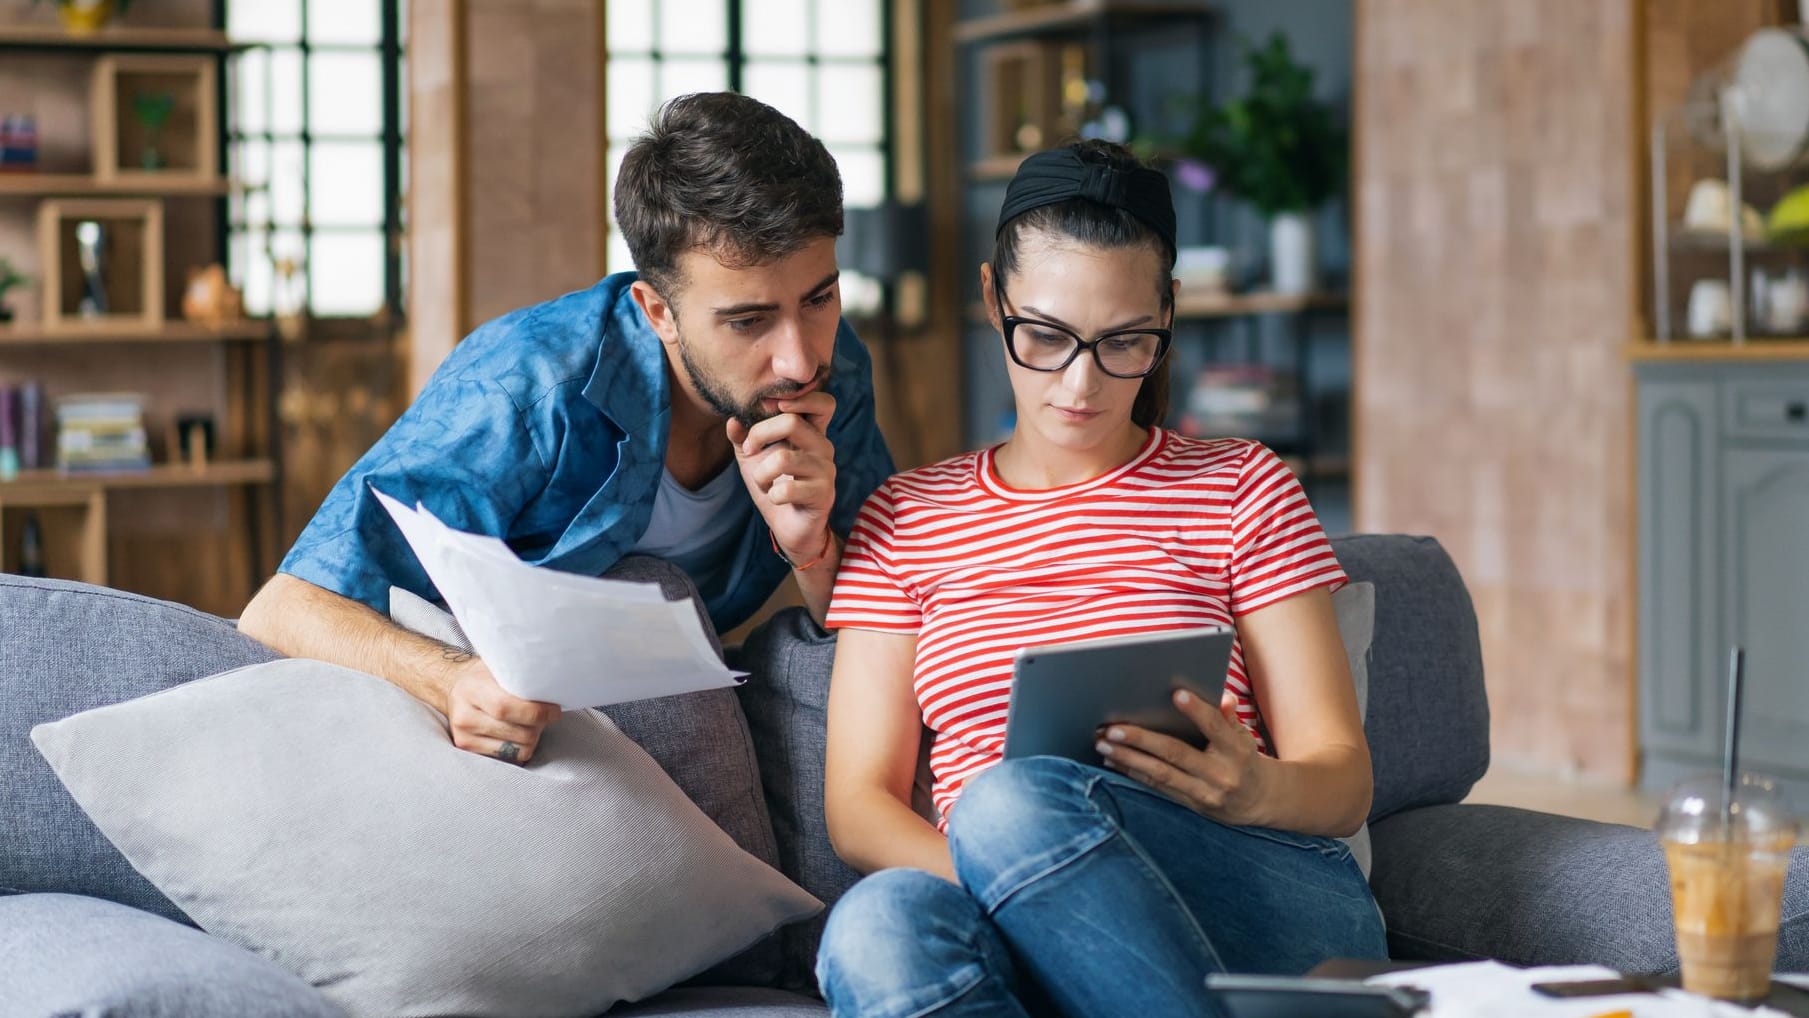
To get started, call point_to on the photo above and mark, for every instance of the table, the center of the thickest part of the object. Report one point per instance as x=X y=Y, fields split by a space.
x=1784 y=997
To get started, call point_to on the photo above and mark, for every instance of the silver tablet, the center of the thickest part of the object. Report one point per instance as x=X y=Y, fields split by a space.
x=1061 y=694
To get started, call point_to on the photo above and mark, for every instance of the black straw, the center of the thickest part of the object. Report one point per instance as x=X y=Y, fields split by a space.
x=1730 y=763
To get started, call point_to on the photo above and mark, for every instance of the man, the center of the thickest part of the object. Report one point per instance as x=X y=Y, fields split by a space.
x=712 y=410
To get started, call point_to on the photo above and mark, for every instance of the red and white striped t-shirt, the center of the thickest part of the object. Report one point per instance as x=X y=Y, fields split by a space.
x=1188 y=533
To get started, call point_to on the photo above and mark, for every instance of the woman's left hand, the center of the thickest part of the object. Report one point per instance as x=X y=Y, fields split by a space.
x=1224 y=781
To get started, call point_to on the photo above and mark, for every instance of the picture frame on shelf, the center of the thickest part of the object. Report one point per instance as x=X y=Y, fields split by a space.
x=154 y=118
x=1024 y=98
x=101 y=264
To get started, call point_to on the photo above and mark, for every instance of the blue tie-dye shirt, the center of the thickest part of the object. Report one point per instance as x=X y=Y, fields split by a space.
x=547 y=428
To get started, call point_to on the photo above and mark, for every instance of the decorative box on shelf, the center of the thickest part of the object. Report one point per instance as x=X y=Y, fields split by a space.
x=102 y=265
x=154 y=118
x=1024 y=86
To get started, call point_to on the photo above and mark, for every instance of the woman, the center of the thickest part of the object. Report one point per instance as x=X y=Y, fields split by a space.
x=1048 y=885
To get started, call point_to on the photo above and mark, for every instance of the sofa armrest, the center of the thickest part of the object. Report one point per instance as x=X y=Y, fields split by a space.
x=1466 y=882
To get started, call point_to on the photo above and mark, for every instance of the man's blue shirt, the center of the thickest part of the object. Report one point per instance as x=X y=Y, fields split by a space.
x=547 y=428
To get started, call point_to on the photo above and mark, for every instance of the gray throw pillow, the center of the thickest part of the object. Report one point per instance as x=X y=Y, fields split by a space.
x=323 y=818
x=1355 y=606
x=66 y=955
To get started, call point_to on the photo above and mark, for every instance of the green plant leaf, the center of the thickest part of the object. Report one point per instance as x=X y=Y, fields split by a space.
x=1276 y=146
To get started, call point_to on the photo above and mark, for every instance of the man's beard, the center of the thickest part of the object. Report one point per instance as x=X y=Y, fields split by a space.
x=722 y=401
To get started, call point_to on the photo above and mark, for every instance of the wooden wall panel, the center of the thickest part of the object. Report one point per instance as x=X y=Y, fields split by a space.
x=507 y=159
x=1494 y=197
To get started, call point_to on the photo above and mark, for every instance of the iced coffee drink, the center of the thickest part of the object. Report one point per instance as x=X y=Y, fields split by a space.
x=1727 y=882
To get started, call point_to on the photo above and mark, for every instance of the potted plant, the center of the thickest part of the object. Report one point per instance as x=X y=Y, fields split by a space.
x=86 y=17
x=9 y=278
x=153 y=111
x=1279 y=149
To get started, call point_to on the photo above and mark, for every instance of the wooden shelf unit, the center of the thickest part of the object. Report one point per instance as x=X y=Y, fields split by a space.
x=1756 y=348
x=200 y=534
x=60 y=488
x=87 y=494
x=31 y=184
x=252 y=330
x=1071 y=17
x=1230 y=305
x=115 y=39
x=996 y=168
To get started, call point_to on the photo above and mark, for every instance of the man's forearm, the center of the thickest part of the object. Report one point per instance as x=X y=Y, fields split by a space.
x=299 y=619
x=818 y=582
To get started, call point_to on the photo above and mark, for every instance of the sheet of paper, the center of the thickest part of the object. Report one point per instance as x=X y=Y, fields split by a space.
x=577 y=641
x=1488 y=989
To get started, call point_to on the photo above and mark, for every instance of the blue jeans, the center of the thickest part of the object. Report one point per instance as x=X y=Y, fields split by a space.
x=1087 y=894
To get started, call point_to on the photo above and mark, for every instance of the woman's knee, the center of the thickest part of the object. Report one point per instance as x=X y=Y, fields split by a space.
x=901 y=939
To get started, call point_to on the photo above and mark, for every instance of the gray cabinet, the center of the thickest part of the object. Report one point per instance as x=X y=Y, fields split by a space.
x=1723 y=559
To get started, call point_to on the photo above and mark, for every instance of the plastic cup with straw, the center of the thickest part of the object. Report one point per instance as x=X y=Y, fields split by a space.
x=1727 y=842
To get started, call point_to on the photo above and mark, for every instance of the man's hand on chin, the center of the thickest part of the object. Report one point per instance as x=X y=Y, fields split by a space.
x=789 y=466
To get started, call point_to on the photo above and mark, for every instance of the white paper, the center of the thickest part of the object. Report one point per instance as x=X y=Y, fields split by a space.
x=1488 y=989
x=577 y=641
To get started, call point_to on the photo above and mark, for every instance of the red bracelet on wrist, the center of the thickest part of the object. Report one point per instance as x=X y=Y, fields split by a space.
x=827 y=545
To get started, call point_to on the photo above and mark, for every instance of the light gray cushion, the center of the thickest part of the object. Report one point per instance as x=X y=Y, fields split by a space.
x=61 y=954
x=1428 y=713
x=65 y=648
x=323 y=818
x=700 y=739
x=1463 y=882
x=786 y=698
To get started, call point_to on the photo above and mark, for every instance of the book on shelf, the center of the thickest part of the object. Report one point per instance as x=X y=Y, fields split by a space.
x=9 y=432
x=101 y=432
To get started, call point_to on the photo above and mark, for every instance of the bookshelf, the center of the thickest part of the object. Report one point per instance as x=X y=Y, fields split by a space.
x=78 y=185
x=1142 y=56
x=197 y=532
x=254 y=330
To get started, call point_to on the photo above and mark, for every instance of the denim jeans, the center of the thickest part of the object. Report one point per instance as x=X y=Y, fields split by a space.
x=1087 y=894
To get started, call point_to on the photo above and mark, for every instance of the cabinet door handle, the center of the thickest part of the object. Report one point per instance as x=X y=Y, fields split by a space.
x=1796 y=411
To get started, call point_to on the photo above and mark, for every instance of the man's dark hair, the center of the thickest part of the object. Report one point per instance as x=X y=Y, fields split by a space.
x=728 y=174
x=1097 y=225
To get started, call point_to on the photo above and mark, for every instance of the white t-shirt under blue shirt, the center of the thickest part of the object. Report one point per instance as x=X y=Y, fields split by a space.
x=698 y=530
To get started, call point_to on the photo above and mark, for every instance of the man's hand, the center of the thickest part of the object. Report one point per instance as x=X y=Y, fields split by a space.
x=1224 y=781
x=789 y=466
x=486 y=719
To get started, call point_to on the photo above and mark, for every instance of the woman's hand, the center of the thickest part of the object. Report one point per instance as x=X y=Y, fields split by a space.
x=1224 y=781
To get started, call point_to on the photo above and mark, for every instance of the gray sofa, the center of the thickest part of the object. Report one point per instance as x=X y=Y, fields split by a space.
x=82 y=933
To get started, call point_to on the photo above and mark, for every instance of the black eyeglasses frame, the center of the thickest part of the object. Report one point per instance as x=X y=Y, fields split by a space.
x=1009 y=324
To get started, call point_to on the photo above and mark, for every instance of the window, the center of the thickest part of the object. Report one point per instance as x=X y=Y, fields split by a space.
x=820 y=62
x=315 y=139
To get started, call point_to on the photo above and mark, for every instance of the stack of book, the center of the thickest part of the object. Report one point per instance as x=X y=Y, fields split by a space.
x=101 y=432
x=1246 y=400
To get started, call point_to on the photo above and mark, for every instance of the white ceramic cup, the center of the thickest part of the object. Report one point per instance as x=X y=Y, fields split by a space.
x=1711 y=308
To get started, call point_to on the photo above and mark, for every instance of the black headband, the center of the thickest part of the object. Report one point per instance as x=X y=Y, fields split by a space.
x=1061 y=174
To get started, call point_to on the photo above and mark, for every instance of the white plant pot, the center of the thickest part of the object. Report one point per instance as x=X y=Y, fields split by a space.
x=1293 y=258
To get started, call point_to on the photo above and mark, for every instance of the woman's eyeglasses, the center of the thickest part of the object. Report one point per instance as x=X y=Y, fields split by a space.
x=1045 y=346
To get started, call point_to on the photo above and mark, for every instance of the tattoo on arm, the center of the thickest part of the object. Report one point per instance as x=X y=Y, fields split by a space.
x=454 y=654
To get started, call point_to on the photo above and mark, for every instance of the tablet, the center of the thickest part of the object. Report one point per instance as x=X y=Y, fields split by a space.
x=1061 y=694
x=1290 y=997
